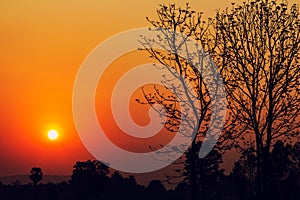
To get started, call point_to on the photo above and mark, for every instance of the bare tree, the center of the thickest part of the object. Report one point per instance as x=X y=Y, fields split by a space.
x=191 y=90
x=257 y=45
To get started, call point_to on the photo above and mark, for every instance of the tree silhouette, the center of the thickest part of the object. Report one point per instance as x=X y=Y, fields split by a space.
x=117 y=182
x=239 y=179
x=185 y=95
x=285 y=170
x=209 y=174
x=256 y=45
x=121 y=184
x=90 y=168
x=243 y=174
x=155 y=186
x=89 y=178
x=208 y=171
x=284 y=167
x=36 y=175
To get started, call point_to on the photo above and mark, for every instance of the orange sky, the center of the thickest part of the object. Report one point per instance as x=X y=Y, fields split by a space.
x=42 y=45
x=104 y=112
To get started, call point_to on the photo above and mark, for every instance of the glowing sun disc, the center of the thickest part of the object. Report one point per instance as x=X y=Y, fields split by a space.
x=52 y=134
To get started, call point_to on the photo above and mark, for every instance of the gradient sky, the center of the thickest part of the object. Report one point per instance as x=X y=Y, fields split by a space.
x=42 y=45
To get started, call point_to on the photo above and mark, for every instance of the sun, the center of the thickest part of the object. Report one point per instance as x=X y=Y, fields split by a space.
x=52 y=134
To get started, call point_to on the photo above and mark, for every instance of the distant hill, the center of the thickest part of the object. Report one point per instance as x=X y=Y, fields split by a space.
x=24 y=179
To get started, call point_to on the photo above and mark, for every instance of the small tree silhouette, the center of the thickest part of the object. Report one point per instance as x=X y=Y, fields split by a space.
x=243 y=174
x=156 y=186
x=36 y=175
x=285 y=169
x=209 y=174
x=208 y=171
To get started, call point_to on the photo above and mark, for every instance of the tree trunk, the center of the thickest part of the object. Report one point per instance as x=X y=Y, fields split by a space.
x=265 y=170
x=193 y=171
x=258 y=169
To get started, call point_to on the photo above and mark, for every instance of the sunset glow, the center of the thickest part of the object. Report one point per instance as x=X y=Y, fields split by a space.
x=42 y=46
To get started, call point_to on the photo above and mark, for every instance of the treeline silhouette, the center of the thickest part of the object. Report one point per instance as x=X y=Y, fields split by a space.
x=94 y=180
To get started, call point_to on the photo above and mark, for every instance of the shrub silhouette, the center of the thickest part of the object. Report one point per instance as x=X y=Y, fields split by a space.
x=36 y=175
